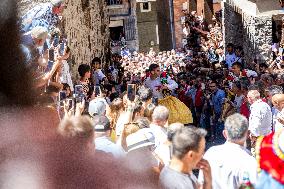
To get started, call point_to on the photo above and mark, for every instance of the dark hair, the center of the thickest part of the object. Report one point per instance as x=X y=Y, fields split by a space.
x=83 y=69
x=65 y=86
x=238 y=84
x=96 y=60
x=238 y=64
x=263 y=65
x=230 y=45
x=145 y=94
x=240 y=48
x=187 y=139
x=52 y=89
x=152 y=67
x=244 y=84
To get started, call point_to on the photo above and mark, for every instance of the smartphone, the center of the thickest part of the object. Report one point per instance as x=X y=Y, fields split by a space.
x=131 y=92
x=62 y=97
x=78 y=90
x=97 y=90
x=70 y=103
x=155 y=101
x=51 y=54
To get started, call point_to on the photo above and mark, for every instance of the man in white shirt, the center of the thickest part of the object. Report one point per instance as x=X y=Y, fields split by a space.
x=231 y=162
x=158 y=126
x=260 y=119
x=278 y=102
x=154 y=81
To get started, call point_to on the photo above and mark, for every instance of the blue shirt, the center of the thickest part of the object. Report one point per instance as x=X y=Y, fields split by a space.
x=106 y=145
x=217 y=100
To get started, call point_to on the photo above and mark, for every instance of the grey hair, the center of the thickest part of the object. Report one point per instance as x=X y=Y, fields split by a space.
x=254 y=94
x=187 y=139
x=237 y=126
x=274 y=89
x=173 y=129
x=39 y=32
x=160 y=113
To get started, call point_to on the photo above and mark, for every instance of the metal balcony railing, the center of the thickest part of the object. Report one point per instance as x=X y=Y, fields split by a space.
x=114 y=2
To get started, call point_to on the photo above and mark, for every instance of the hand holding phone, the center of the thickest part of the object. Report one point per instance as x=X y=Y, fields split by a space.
x=97 y=91
x=131 y=92
x=62 y=97
x=155 y=101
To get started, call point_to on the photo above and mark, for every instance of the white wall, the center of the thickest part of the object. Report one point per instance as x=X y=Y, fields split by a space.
x=247 y=6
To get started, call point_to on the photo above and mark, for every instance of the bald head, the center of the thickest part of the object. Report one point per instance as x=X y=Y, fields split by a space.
x=278 y=101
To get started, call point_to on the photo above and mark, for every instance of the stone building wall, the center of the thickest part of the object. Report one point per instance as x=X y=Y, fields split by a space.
x=252 y=32
x=165 y=23
x=147 y=25
x=263 y=37
x=178 y=13
x=233 y=25
x=86 y=26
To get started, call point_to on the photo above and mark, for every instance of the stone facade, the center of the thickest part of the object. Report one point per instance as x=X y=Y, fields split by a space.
x=166 y=24
x=126 y=13
x=178 y=14
x=245 y=28
x=147 y=25
x=86 y=26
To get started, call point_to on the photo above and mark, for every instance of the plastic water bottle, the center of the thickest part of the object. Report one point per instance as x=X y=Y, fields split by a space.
x=246 y=184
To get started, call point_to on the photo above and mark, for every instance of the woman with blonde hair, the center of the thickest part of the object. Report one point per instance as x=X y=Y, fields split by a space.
x=115 y=110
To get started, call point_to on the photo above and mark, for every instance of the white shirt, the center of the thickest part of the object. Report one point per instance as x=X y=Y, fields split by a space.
x=156 y=83
x=66 y=75
x=162 y=150
x=186 y=31
x=277 y=125
x=229 y=163
x=159 y=133
x=260 y=119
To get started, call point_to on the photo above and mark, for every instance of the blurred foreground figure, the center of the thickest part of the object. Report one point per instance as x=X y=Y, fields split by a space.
x=32 y=153
x=270 y=157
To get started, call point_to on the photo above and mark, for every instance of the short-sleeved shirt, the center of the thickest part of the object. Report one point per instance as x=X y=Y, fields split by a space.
x=171 y=179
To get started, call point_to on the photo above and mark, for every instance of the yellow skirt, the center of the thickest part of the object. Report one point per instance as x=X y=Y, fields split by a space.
x=179 y=112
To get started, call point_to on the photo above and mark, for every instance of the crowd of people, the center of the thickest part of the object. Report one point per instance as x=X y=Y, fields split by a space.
x=145 y=119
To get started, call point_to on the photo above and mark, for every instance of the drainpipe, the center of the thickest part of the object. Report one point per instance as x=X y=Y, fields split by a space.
x=172 y=23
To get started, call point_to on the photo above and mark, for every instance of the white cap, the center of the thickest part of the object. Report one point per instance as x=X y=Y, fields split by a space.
x=56 y=3
x=97 y=106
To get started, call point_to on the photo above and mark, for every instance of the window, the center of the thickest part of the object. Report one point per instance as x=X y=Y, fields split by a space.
x=114 y=2
x=145 y=7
